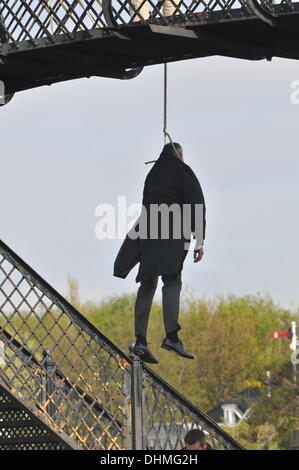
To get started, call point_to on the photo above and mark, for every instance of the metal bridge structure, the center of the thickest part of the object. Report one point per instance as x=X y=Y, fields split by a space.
x=64 y=385
x=48 y=41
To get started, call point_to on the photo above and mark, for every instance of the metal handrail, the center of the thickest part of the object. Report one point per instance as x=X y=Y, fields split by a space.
x=67 y=386
x=62 y=303
x=139 y=381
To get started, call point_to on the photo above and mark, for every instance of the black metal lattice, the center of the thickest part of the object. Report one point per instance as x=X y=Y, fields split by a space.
x=51 y=360
x=48 y=41
x=86 y=388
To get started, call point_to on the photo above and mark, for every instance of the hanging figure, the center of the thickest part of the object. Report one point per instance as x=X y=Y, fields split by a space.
x=159 y=241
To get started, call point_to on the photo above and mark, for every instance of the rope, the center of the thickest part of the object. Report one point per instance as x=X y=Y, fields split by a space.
x=165 y=132
x=165 y=103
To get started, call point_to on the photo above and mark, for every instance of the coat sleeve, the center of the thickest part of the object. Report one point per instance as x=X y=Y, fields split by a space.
x=193 y=195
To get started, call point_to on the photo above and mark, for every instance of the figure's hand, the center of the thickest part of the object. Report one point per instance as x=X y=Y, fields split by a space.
x=198 y=254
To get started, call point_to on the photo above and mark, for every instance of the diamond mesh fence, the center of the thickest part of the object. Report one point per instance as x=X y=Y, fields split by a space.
x=68 y=370
x=177 y=11
x=168 y=416
x=21 y=430
x=30 y=20
x=33 y=19
x=58 y=363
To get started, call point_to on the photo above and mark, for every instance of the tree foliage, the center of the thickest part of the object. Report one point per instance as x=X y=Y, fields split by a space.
x=229 y=337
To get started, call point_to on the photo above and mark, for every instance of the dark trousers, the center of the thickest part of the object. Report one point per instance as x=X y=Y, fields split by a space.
x=172 y=284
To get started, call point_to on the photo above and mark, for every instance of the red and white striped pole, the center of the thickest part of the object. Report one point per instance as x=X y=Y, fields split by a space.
x=291 y=334
x=280 y=334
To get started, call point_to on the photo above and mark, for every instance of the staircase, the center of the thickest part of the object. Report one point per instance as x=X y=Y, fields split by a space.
x=63 y=384
x=22 y=429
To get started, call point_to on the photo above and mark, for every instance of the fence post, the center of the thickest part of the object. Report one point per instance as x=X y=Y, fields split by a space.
x=137 y=404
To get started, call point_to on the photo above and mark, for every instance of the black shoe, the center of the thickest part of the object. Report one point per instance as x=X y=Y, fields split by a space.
x=143 y=352
x=176 y=347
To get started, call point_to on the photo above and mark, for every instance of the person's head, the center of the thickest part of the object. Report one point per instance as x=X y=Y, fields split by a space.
x=177 y=152
x=195 y=440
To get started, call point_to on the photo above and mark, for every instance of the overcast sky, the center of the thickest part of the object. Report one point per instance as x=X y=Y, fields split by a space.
x=67 y=148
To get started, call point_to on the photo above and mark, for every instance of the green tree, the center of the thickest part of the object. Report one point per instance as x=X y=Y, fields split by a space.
x=72 y=294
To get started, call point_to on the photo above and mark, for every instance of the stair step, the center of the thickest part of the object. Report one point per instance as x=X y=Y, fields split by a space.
x=20 y=428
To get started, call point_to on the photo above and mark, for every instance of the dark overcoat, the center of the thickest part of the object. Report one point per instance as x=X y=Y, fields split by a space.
x=170 y=181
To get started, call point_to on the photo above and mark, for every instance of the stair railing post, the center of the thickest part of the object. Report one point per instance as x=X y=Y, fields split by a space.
x=137 y=404
x=50 y=382
x=127 y=406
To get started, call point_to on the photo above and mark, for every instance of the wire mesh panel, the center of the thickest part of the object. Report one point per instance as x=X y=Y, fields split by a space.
x=55 y=359
x=59 y=364
x=177 y=11
x=168 y=416
x=188 y=12
x=21 y=430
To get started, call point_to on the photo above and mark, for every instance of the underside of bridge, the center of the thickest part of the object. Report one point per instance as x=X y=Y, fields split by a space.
x=42 y=43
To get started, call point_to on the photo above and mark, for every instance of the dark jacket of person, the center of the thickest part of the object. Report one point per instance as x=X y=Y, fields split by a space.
x=169 y=181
